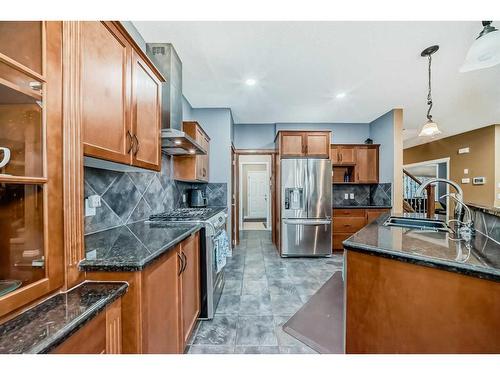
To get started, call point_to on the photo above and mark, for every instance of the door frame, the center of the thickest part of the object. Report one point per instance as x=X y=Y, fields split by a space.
x=240 y=186
x=437 y=161
x=236 y=187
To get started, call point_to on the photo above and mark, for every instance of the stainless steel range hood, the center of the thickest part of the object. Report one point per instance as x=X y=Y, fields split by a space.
x=173 y=140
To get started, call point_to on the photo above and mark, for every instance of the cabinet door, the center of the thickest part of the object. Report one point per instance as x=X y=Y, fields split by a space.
x=146 y=115
x=366 y=165
x=190 y=285
x=372 y=214
x=318 y=144
x=205 y=159
x=161 y=301
x=292 y=144
x=347 y=155
x=105 y=92
x=334 y=155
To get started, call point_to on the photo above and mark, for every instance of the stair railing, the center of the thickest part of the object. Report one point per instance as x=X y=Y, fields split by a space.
x=411 y=203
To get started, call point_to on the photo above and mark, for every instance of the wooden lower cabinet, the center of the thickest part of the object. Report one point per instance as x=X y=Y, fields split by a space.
x=347 y=221
x=162 y=304
x=101 y=335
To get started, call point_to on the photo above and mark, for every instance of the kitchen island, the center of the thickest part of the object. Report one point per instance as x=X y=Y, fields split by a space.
x=414 y=291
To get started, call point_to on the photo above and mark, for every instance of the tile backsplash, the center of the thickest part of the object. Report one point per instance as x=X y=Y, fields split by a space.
x=364 y=195
x=127 y=197
x=486 y=223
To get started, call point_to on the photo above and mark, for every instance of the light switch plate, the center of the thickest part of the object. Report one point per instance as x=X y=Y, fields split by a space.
x=466 y=171
x=346 y=196
x=351 y=196
x=465 y=180
x=94 y=201
x=464 y=150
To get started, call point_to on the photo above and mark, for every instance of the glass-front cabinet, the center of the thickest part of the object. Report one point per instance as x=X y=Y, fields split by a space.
x=29 y=267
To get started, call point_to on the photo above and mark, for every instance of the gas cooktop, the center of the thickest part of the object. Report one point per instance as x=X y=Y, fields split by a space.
x=181 y=214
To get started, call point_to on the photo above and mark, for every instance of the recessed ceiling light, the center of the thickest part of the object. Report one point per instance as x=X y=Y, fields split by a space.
x=177 y=141
x=340 y=95
x=192 y=151
x=251 y=82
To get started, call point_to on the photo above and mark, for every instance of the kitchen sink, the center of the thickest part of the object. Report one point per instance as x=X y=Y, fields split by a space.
x=417 y=223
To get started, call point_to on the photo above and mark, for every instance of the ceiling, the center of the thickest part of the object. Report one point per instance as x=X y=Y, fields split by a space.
x=300 y=67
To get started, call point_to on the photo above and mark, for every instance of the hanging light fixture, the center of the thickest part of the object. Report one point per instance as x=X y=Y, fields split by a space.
x=485 y=51
x=430 y=128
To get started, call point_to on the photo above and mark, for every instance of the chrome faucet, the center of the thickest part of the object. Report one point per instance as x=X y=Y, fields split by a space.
x=466 y=227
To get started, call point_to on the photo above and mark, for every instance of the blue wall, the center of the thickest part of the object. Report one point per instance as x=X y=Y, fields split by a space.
x=254 y=136
x=382 y=132
x=259 y=136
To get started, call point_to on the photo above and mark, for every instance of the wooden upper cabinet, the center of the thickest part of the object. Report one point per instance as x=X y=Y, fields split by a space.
x=367 y=164
x=317 y=144
x=146 y=116
x=193 y=167
x=105 y=92
x=343 y=155
x=22 y=43
x=292 y=144
x=120 y=97
x=190 y=285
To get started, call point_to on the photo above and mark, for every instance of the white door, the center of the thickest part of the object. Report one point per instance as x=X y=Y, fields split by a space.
x=257 y=194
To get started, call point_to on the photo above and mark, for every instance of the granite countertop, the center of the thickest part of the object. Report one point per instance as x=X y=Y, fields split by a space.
x=489 y=210
x=133 y=246
x=479 y=257
x=43 y=327
x=361 y=206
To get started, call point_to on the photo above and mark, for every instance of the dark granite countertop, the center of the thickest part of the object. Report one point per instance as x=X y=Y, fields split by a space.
x=479 y=257
x=133 y=246
x=43 y=327
x=360 y=206
x=495 y=211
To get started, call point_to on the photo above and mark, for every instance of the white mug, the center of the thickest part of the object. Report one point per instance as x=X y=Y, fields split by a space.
x=6 y=156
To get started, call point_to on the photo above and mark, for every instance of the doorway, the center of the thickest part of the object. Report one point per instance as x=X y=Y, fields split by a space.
x=255 y=192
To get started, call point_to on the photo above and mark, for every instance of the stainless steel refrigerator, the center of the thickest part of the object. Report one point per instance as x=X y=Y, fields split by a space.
x=306 y=207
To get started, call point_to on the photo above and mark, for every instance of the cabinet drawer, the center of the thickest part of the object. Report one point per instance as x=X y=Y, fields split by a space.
x=349 y=212
x=348 y=224
x=337 y=240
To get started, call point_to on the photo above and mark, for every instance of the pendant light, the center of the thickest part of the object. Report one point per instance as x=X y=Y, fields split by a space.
x=485 y=51
x=430 y=128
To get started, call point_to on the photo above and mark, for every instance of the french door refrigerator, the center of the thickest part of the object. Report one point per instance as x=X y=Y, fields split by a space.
x=306 y=207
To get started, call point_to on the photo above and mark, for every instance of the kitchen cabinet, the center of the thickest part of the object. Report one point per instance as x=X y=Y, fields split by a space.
x=315 y=144
x=347 y=221
x=367 y=165
x=343 y=155
x=358 y=163
x=193 y=167
x=101 y=335
x=162 y=304
x=190 y=286
x=120 y=92
x=31 y=235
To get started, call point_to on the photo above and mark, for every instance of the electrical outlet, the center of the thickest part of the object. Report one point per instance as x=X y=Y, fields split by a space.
x=184 y=199
x=466 y=171
x=351 y=196
x=346 y=196
x=464 y=150
x=94 y=201
x=89 y=211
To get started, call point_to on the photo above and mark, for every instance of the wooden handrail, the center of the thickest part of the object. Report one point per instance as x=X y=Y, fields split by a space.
x=430 y=208
x=412 y=177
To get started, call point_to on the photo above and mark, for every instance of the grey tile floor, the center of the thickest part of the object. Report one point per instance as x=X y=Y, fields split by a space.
x=262 y=292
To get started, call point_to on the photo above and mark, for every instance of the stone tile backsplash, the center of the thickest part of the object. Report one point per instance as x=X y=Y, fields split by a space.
x=127 y=197
x=486 y=223
x=364 y=195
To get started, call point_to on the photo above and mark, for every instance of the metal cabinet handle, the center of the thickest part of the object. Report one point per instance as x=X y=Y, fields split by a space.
x=35 y=85
x=185 y=261
x=181 y=259
x=307 y=222
x=131 y=140
x=136 y=144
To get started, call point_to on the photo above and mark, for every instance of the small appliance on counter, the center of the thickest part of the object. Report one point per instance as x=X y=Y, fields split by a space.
x=197 y=198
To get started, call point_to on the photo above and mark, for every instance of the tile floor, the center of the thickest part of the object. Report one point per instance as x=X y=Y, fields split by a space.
x=262 y=292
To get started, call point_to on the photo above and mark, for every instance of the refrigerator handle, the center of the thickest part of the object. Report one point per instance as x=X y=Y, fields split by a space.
x=307 y=221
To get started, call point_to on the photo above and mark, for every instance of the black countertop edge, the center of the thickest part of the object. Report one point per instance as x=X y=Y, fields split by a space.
x=421 y=260
x=70 y=329
x=48 y=344
x=495 y=211
x=360 y=206
x=102 y=265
